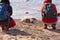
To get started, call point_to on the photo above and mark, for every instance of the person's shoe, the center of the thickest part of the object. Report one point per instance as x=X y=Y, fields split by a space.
x=53 y=26
x=45 y=26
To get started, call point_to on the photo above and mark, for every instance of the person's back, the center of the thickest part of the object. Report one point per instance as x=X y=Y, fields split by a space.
x=48 y=11
x=52 y=20
x=10 y=7
x=4 y=14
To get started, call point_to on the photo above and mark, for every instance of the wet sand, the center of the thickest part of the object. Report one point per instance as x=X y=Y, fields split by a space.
x=30 y=31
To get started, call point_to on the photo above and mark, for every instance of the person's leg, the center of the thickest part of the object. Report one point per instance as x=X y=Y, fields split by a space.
x=53 y=26
x=6 y=24
x=6 y=27
x=45 y=26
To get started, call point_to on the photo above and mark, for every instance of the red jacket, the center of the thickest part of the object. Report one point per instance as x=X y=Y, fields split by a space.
x=51 y=20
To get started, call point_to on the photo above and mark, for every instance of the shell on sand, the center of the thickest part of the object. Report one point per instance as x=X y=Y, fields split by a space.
x=28 y=18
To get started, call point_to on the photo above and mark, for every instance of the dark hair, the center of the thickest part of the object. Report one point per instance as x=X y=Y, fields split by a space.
x=5 y=1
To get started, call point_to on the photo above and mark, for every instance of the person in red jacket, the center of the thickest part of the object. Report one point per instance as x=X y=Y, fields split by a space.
x=49 y=20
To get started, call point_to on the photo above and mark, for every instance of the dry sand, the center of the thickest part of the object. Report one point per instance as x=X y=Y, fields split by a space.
x=29 y=31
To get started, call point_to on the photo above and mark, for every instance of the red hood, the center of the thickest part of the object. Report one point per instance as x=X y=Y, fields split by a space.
x=46 y=1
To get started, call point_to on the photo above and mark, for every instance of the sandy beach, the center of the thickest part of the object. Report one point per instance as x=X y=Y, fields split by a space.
x=30 y=31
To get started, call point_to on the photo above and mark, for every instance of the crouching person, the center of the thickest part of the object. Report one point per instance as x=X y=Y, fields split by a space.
x=6 y=21
x=49 y=14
